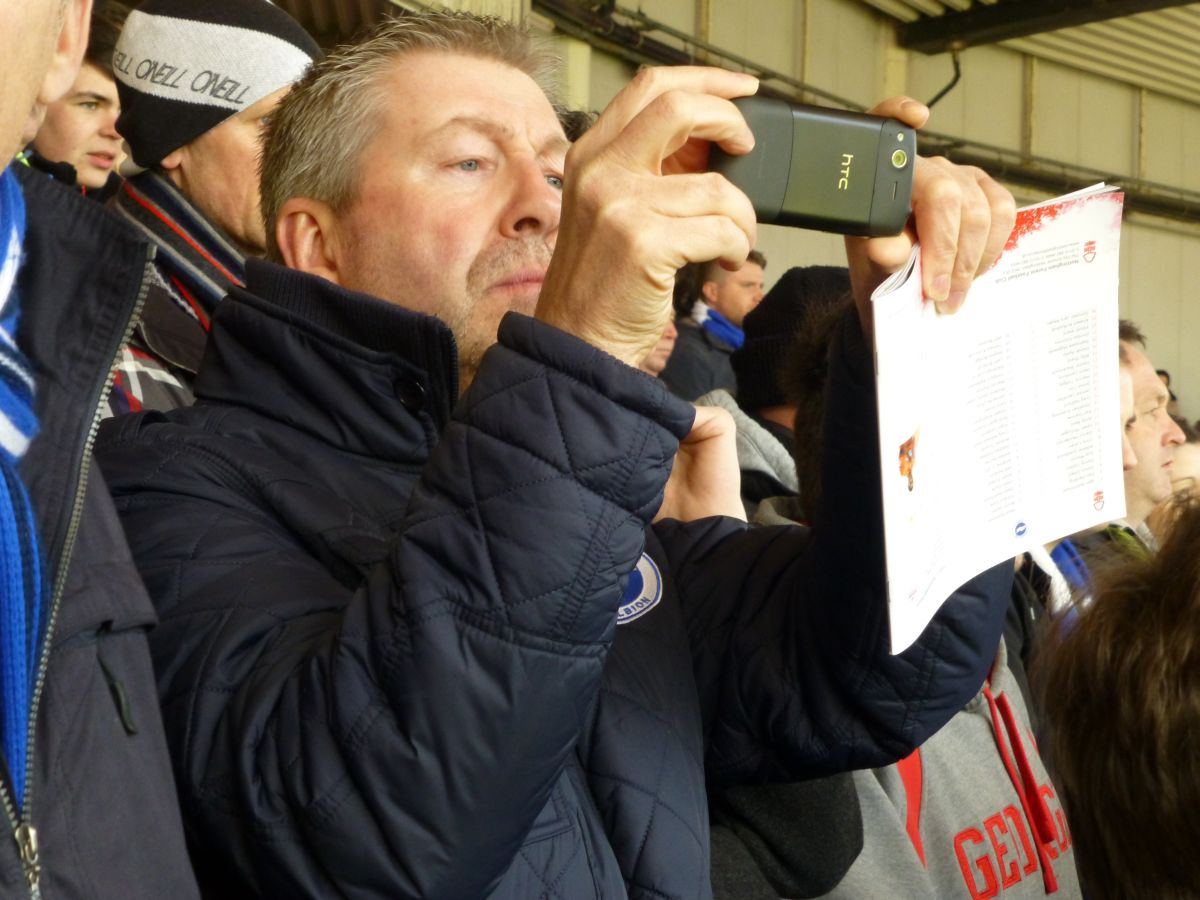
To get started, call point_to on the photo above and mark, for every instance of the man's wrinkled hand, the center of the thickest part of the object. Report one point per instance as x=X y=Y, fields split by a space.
x=638 y=205
x=961 y=217
x=705 y=479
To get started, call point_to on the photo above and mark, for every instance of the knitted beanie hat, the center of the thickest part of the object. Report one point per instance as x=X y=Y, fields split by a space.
x=185 y=66
x=771 y=329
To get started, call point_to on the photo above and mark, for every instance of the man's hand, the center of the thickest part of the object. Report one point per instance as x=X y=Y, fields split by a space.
x=960 y=216
x=706 y=479
x=638 y=205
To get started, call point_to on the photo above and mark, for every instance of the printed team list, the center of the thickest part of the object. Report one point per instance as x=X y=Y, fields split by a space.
x=999 y=425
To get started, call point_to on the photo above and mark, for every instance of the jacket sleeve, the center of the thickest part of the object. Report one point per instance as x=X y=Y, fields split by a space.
x=789 y=627
x=400 y=741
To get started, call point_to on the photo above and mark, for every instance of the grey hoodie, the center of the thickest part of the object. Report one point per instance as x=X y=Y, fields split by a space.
x=971 y=814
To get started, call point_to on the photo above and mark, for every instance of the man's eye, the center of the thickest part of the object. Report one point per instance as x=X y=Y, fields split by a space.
x=90 y=105
x=469 y=165
x=555 y=181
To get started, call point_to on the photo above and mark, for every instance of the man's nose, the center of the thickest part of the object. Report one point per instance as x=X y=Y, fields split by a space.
x=536 y=205
x=109 y=129
x=1174 y=434
x=1128 y=457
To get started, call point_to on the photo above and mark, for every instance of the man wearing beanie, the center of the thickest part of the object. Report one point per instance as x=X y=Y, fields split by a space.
x=87 y=801
x=197 y=79
x=763 y=412
x=710 y=327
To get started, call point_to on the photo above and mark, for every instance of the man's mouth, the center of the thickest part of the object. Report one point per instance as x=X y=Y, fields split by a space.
x=102 y=159
x=523 y=279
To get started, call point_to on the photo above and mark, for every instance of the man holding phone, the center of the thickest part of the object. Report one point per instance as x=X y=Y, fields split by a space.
x=414 y=648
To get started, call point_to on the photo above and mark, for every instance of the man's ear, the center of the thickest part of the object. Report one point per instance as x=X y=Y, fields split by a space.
x=68 y=51
x=306 y=232
x=709 y=291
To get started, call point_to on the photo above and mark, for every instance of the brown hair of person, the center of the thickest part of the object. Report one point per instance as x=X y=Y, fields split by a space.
x=803 y=381
x=1120 y=687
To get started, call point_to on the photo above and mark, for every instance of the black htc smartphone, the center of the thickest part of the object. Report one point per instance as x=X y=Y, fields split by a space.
x=824 y=169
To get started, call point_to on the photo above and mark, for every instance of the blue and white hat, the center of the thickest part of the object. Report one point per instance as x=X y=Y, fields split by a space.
x=185 y=66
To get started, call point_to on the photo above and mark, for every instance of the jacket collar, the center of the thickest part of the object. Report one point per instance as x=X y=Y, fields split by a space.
x=365 y=376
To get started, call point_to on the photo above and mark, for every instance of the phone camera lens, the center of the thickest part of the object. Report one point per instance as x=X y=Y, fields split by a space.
x=899 y=159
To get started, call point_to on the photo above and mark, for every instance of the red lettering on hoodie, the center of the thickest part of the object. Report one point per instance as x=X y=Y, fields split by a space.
x=1010 y=873
x=982 y=862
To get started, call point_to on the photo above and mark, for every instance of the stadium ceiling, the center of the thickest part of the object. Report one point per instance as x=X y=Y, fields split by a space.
x=330 y=21
x=1153 y=44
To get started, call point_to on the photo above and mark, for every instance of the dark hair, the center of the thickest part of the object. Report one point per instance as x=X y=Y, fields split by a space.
x=687 y=289
x=1190 y=434
x=1129 y=333
x=803 y=380
x=1120 y=687
x=107 y=21
x=712 y=270
x=576 y=121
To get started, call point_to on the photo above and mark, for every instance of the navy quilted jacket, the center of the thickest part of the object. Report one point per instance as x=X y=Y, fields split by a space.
x=389 y=658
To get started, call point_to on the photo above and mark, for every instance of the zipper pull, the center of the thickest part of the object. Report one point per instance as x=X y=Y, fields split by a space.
x=27 y=843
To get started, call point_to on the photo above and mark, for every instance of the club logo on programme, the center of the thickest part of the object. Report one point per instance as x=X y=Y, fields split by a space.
x=1089 y=251
x=1020 y=529
x=1098 y=500
x=643 y=591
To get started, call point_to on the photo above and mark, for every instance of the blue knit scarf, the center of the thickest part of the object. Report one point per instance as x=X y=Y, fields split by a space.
x=20 y=558
x=720 y=327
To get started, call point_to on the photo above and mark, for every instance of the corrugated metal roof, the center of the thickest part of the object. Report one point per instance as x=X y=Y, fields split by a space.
x=1155 y=50
x=333 y=20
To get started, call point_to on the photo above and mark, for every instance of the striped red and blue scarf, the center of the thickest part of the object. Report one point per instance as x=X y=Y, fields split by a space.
x=201 y=262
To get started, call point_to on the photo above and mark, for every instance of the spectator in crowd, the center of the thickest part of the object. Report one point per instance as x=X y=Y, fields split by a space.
x=710 y=328
x=763 y=412
x=1153 y=437
x=1173 y=403
x=197 y=79
x=1059 y=572
x=389 y=653
x=78 y=141
x=1122 y=689
x=89 y=802
x=970 y=813
x=656 y=360
x=1185 y=481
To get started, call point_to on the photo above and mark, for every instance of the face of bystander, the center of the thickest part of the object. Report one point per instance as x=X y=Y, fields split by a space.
x=1153 y=437
x=218 y=172
x=735 y=293
x=80 y=129
x=41 y=46
x=458 y=207
x=1128 y=418
x=656 y=361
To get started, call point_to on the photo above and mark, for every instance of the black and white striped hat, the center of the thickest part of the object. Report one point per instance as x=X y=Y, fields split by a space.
x=185 y=66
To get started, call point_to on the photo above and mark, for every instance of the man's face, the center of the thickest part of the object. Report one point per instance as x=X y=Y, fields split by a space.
x=218 y=172
x=1154 y=437
x=80 y=129
x=460 y=195
x=1128 y=417
x=28 y=31
x=736 y=293
x=656 y=361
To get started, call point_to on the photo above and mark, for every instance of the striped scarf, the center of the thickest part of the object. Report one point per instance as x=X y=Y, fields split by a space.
x=200 y=261
x=21 y=585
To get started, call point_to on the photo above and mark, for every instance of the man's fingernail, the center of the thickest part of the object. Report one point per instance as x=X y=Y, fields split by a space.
x=956 y=299
x=940 y=288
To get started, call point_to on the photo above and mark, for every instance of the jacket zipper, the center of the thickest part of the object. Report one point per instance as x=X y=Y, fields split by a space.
x=24 y=832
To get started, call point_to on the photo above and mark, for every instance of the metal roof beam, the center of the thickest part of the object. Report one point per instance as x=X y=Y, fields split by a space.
x=1015 y=19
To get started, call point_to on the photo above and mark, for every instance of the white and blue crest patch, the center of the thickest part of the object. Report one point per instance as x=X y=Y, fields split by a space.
x=643 y=591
